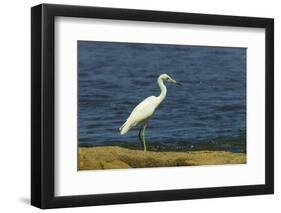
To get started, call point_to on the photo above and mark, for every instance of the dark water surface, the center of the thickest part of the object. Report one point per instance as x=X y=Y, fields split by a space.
x=209 y=112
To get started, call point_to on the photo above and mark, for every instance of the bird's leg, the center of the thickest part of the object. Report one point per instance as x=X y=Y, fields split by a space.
x=142 y=136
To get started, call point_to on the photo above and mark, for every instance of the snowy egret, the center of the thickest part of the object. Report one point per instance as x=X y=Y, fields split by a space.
x=145 y=109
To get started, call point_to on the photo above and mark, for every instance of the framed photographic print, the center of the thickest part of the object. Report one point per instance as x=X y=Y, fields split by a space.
x=139 y=106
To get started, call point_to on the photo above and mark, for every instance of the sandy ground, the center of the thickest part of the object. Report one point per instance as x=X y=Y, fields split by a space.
x=114 y=157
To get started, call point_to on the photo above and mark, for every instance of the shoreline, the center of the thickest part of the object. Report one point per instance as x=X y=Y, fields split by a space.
x=237 y=145
x=115 y=157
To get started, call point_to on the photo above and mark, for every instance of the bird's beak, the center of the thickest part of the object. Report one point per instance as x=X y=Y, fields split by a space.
x=176 y=82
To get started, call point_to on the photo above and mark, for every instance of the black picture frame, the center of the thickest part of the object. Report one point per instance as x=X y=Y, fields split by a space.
x=43 y=102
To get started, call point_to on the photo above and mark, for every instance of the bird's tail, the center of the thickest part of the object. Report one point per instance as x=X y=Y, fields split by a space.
x=124 y=128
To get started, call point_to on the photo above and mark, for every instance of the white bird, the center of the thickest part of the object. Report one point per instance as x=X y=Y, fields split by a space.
x=145 y=109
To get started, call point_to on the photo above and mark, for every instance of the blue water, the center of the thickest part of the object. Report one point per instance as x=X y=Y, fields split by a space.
x=209 y=112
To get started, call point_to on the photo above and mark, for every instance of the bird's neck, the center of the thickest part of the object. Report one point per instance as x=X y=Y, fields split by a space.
x=163 y=90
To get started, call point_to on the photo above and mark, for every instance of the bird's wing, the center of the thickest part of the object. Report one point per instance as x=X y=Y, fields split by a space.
x=142 y=111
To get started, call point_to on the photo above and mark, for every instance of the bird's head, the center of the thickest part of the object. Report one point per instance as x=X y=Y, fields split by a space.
x=166 y=77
